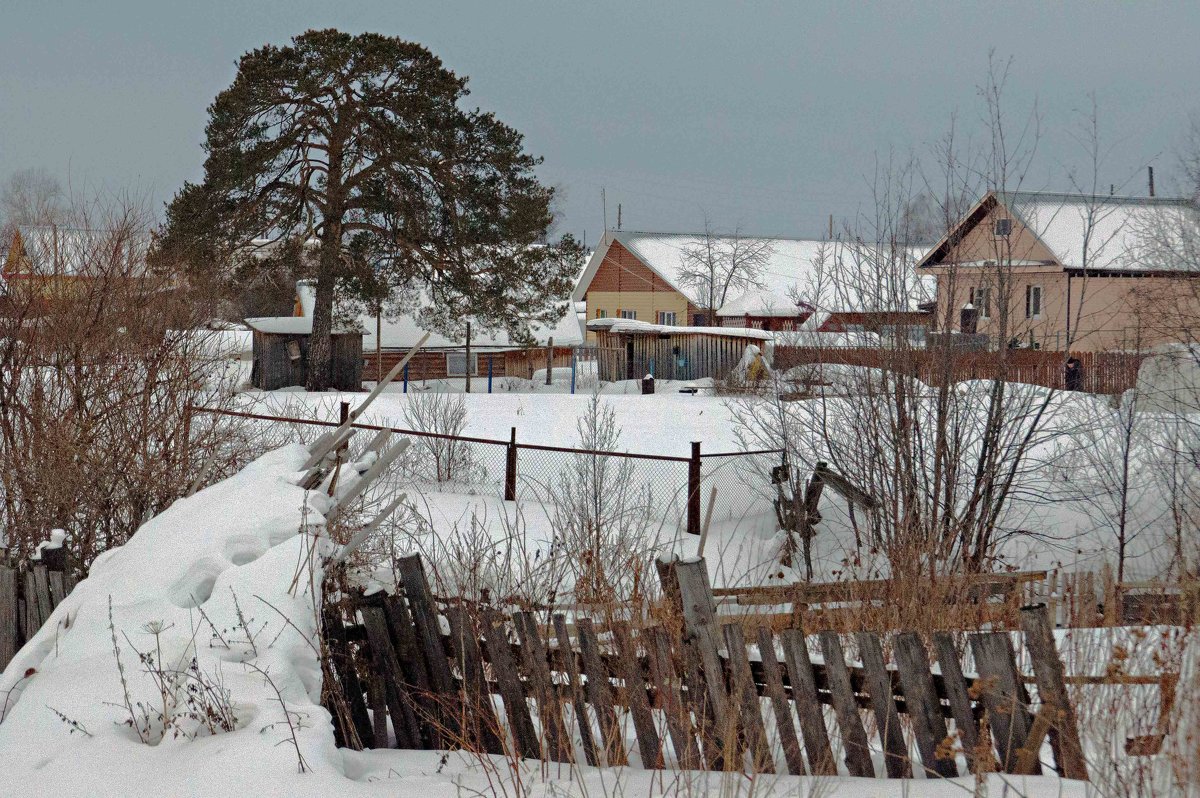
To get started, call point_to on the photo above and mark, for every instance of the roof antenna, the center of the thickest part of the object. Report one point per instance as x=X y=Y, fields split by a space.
x=604 y=202
x=618 y=216
x=1150 y=171
x=831 y=227
x=1112 y=189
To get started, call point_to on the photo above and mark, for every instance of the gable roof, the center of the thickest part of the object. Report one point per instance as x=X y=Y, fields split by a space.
x=1096 y=233
x=795 y=266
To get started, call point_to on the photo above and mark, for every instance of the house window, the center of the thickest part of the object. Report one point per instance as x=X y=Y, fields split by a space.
x=980 y=298
x=627 y=314
x=667 y=317
x=1033 y=301
x=456 y=364
x=1003 y=228
x=601 y=313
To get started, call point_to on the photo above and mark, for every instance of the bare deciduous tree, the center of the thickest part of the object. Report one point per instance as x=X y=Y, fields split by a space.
x=718 y=264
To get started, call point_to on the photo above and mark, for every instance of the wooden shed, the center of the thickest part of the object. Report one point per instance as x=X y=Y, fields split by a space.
x=671 y=353
x=281 y=353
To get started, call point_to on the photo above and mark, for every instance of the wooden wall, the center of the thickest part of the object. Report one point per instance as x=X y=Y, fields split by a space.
x=684 y=356
x=273 y=368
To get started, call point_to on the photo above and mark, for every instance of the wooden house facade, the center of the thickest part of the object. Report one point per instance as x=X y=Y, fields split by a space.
x=281 y=346
x=671 y=353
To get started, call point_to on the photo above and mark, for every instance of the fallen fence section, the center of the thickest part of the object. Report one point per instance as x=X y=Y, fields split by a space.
x=698 y=694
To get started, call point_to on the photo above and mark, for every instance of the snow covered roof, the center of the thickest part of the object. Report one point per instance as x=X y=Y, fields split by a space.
x=634 y=327
x=404 y=331
x=820 y=273
x=295 y=325
x=1104 y=233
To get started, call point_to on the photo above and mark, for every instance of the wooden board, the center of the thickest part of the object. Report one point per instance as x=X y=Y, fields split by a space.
x=744 y=693
x=808 y=704
x=883 y=702
x=599 y=692
x=955 y=685
x=516 y=707
x=649 y=744
x=785 y=724
x=1052 y=691
x=855 y=746
x=575 y=687
x=1003 y=695
x=922 y=705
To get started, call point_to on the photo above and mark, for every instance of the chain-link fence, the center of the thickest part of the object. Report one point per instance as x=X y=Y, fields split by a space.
x=658 y=485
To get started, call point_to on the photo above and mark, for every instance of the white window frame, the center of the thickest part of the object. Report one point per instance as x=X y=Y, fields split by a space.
x=981 y=300
x=996 y=227
x=460 y=358
x=668 y=318
x=1029 y=294
x=631 y=315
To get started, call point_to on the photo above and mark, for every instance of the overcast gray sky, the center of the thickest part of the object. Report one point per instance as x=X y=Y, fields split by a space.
x=768 y=116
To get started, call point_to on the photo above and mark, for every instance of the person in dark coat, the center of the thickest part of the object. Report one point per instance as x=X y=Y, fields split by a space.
x=1073 y=376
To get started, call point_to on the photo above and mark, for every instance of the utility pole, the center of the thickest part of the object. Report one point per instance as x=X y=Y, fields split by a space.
x=1150 y=172
x=831 y=227
x=618 y=216
x=604 y=202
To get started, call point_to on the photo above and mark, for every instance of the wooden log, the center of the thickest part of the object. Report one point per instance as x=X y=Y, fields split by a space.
x=9 y=625
x=549 y=709
x=679 y=723
x=922 y=705
x=400 y=704
x=807 y=703
x=483 y=728
x=429 y=638
x=855 y=747
x=575 y=687
x=784 y=723
x=745 y=694
x=955 y=685
x=883 y=702
x=516 y=707
x=630 y=671
x=1003 y=695
x=1050 y=676
x=599 y=691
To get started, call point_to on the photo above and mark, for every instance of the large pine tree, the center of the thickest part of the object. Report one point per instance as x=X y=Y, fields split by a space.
x=361 y=143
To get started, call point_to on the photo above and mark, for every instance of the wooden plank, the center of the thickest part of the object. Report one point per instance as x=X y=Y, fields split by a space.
x=744 y=692
x=549 y=709
x=379 y=726
x=883 y=702
x=785 y=725
x=32 y=621
x=504 y=669
x=41 y=584
x=58 y=589
x=807 y=703
x=922 y=705
x=600 y=694
x=9 y=625
x=855 y=747
x=700 y=628
x=1003 y=695
x=575 y=685
x=404 y=721
x=955 y=685
x=1052 y=691
x=629 y=665
x=412 y=663
x=346 y=677
x=482 y=727
x=429 y=637
x=679 y=723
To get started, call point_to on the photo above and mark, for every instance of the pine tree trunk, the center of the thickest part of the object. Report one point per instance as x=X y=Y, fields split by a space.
x=320 y=343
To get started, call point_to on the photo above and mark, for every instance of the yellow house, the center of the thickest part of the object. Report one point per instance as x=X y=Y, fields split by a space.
x=1070 y=271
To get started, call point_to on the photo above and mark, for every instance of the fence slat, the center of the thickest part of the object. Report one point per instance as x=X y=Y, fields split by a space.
x=784 y=723
x=854 y=738
x=744 y=692
x=663 y=671
x=484 y=728
x=575 y=685
x=879 y=687
x=404 y=721
x=412 y=663
x=516 y=707
x=629 y=665
x=549 y=710
x=347 y=676
x=429 y=637
x=1052 y=691
x=700 y=628
x=599 y=691
x=921 y=703
x=9 y=625
x=955 y=685
x=1003 y=695
x=808 y=703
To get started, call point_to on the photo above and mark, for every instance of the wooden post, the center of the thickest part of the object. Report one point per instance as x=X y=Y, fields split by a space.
x=1052 y=691
x=510 y=468
x=699 y=622
x=379 y=342
x=8 y=615
x=693 y=491
x=549 y=360
x=468 y=358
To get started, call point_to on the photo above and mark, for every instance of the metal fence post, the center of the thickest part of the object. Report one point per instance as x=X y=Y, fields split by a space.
x=693 y=491
x=489 y=373
x=510 y=469
x=572 y=371
x=405 y=378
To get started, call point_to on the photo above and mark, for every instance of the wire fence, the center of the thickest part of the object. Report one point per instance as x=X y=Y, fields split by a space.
x=672 y=489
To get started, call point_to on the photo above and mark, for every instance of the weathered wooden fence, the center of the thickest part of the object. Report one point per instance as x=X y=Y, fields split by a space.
x=698 y=693
x=27 y=597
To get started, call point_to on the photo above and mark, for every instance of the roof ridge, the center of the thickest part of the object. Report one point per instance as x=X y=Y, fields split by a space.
x=723 y=235
x=1077 y=196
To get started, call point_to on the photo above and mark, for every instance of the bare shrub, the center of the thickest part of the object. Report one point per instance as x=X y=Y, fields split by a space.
x=440 y=459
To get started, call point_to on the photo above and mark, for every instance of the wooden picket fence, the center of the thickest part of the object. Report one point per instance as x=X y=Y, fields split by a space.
x=27 y=597
x=569 y=683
